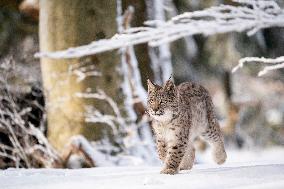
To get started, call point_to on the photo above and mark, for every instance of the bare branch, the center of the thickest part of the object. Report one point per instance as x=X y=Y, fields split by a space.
x=26 y=146
x=95 y=116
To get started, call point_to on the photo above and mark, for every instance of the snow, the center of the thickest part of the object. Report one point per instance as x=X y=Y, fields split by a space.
x=260 y=169
x=202 y=176
x=255 y=155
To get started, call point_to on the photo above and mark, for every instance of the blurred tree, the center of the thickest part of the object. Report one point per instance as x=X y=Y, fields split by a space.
x=183 y=50
x=70 y=23
x=141 y=50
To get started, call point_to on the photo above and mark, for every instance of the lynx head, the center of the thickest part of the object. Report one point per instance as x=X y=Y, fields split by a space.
x=161 y=100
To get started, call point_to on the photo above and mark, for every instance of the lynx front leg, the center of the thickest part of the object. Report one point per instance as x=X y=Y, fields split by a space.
x=160 y=141
x=176 y=150
x=161 y=148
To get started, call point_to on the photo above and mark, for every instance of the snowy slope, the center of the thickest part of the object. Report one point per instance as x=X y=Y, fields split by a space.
x=244 y=170
x=234 y=175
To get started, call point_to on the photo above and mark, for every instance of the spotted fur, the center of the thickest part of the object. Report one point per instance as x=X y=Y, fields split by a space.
x=181 y=113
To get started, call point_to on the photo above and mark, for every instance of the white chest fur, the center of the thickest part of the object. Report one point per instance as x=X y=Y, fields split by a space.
x=165 y=132
x=163 y=125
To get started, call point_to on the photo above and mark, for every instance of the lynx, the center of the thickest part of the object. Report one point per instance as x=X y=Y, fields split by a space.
x=180 y=114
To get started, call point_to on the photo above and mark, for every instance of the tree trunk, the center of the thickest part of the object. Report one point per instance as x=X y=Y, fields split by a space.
x=70 y=23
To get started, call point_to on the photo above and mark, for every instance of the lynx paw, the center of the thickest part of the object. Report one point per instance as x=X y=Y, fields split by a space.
x=186 y=164
x=220 y=156
x=185 y=167
x=169 y=171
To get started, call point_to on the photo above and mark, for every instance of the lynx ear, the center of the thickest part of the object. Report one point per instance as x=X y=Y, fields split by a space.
x=169 y=86
x=151 y=86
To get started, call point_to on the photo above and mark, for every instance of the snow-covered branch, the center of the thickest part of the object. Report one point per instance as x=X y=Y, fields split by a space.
x=83 y=70
x=250 y=16
x=28 y=145
x=95 y=116
x=270 y=63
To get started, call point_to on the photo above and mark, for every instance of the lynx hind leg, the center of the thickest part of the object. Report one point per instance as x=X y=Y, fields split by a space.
x=219 y=153
x=214 y=137
x=188 y=158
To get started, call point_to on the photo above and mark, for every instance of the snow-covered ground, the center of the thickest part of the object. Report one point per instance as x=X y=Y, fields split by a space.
x=257 y=170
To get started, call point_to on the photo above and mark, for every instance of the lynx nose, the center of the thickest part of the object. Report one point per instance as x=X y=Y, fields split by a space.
x=155 y=108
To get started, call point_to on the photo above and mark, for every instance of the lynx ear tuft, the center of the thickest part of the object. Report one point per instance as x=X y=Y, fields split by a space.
x=151 y=86
x=169 y=86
